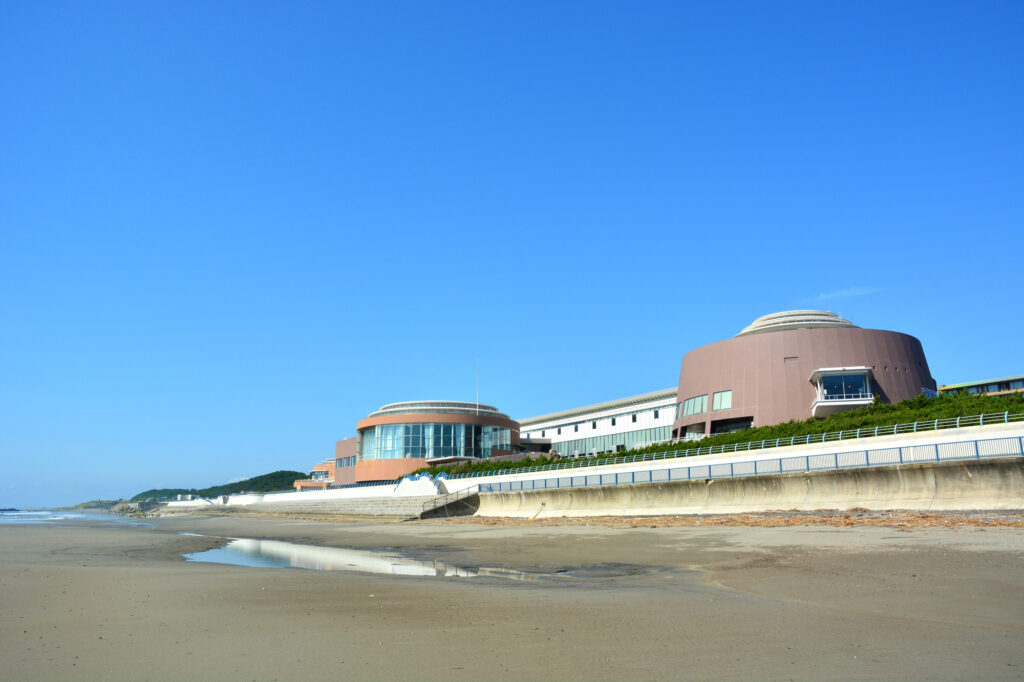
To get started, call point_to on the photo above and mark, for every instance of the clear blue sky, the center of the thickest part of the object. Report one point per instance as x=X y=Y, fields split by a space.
x=228 y=231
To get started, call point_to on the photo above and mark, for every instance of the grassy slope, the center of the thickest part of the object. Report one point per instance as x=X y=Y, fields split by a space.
x=915 y=409
x=97 y=504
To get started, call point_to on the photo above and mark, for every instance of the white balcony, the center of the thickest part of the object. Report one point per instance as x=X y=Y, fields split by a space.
x=840 y=388
x=831 y=404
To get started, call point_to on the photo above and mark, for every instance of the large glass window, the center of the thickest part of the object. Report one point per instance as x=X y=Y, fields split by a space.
x=722 y=400
x=845 y=387
x=696 y=405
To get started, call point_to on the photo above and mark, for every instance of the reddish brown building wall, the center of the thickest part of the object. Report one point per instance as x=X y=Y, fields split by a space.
x=768 y=373
x=345 y=475
x=310 y=485
x=386 y=469
x=328 y=466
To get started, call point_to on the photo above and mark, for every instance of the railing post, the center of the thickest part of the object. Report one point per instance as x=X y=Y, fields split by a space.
x=977 y=452
x=807 y=463
x=900 y=449
x=732 y=470
x=835 y=460
x=1006 y=417
x=958 y=421
x=982 y=421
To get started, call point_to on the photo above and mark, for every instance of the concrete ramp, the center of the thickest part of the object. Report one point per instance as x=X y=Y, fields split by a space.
x=932 y=486
x=454 y=505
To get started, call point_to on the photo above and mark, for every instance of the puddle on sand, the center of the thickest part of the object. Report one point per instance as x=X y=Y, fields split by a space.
x=277 y=554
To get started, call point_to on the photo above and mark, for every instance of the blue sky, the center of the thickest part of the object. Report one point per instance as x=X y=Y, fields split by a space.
x=228 y=231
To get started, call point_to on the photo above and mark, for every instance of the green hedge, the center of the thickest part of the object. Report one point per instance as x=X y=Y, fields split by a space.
x=916 y=409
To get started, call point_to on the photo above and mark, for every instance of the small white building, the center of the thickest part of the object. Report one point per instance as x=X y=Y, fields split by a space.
x=605 y=427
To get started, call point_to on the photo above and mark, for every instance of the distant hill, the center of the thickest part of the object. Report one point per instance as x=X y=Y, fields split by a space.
x=278 y=480
x=96 y=504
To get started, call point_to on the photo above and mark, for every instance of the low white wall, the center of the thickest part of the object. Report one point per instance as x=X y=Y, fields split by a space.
x=187 y=504
x=407 y=487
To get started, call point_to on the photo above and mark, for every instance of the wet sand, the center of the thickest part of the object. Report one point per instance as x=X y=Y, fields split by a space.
x=683 y=601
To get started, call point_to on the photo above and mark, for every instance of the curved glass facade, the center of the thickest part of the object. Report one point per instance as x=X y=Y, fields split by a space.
x=430 y=441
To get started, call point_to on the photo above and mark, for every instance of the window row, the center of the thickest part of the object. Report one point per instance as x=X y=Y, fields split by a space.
x=345 y=461
x=1015 y=385
x=431 y=441
x=614 y=442
x=613 y=421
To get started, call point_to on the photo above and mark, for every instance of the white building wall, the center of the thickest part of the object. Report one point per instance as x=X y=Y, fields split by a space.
x=650 y=414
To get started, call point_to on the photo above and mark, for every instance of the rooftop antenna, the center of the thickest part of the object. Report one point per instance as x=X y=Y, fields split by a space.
x=478 y=384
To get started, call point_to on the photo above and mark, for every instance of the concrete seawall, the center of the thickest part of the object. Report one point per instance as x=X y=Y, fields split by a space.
x=932 y=486
x=396 y=507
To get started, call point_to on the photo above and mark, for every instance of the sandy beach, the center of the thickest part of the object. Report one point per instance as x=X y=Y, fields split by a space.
x=600 y=601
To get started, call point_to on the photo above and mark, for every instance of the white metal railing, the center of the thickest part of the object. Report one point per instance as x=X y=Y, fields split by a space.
x=911 y=454
x=448 y=498
x=847 y=396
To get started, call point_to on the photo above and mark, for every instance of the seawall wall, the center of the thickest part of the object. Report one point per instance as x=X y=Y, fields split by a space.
x=935 y=486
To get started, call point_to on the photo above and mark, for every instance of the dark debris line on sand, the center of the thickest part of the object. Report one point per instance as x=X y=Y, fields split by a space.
x=854 y=517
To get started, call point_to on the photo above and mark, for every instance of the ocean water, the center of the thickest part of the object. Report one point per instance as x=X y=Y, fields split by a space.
x=53 y=515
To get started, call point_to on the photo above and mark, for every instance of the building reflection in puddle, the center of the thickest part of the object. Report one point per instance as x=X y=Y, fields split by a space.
x=278 y=554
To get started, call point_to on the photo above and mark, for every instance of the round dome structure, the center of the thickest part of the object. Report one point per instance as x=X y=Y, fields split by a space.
x=795 y=319
x=438 y=407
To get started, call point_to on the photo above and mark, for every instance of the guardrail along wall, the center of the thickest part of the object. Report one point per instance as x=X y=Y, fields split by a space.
x=945 y=485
